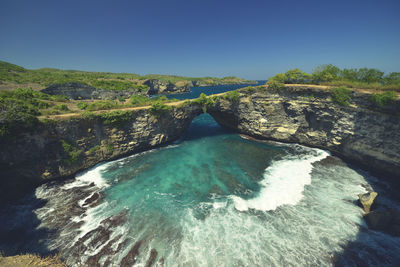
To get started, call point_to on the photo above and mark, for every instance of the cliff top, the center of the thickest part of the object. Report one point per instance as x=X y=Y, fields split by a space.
x=13 y=76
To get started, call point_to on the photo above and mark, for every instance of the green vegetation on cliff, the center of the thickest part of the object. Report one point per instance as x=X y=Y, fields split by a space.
x=383 y=98
x=366 y=78
x=341 y=95
x=41 y=78
x=157 y=109
x=72 y=151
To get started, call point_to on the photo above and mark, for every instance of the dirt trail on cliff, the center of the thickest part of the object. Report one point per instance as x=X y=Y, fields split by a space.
x=77 y=114
x=359 y=90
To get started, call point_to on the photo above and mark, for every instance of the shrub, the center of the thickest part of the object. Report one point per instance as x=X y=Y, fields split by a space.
x=116 y=118
x=157 y=109
x=383 y=98
x=275 y=85
x=82 y=105
x=232 y=95
x=88 y=115
x=341 y=95
x=109 y=149
x=201 y=100
x=61 y=107
x=250 y=89
x=94 y=149
x=73 y=152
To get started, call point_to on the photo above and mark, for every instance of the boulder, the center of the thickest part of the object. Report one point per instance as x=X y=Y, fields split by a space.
x=366 y=200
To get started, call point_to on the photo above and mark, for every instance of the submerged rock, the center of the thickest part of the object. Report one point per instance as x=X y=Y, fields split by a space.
x=152 y=258
x=131 y=257
x=367 y=200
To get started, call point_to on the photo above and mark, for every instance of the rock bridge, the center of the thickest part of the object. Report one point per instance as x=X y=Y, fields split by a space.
x=362 y=132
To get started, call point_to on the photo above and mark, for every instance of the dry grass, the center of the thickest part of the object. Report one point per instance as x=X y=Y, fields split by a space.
x=31 y=260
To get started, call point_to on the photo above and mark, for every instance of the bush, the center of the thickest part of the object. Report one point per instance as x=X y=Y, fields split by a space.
x=116 y=118
x=94 y=149
x=82 y=105
x=201 y=100
x=341 y=95
x=232 y=95
x=88 y=115
x=61 y=107
x=18 y=111
x=383 y=98
x=73 y=152
x=109 y=149
x=157 y=109
x=274 y=85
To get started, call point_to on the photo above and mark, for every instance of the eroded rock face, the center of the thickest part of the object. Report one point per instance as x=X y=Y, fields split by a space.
x=37 y=156
x=361 y=132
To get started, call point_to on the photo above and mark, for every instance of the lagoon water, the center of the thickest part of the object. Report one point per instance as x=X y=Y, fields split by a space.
x=213 y=198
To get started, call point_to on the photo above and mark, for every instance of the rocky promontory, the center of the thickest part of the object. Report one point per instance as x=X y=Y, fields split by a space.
x=362 y=132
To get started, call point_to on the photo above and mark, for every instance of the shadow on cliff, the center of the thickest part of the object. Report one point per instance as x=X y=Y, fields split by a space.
x=19 y=232
x=370 y=247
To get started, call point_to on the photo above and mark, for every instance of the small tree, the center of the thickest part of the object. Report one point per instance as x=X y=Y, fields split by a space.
x=325 y=73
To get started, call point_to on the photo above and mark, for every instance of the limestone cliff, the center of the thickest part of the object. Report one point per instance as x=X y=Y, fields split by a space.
x=362 y=132
x=64 y=147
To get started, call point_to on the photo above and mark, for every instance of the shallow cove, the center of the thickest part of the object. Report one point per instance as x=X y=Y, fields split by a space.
x=211 y=199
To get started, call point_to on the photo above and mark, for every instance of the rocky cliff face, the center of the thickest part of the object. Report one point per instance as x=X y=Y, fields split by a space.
x=163 y=87
x=62 y=148
x=362 y=132
x=79 y=91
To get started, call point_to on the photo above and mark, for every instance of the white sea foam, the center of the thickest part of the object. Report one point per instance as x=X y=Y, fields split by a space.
x=90 y=176
x=283 y=183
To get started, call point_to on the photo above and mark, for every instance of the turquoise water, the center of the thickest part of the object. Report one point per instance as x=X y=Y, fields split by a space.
x=209 y=90
x=214 y=198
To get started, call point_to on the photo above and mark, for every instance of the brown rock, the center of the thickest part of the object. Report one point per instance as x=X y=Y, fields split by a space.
x=367 y=200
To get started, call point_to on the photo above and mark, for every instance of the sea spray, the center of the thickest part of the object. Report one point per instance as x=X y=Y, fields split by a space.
x=283 y=182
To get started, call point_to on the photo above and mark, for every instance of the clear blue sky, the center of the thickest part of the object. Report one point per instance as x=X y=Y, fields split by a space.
x=250 y=39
